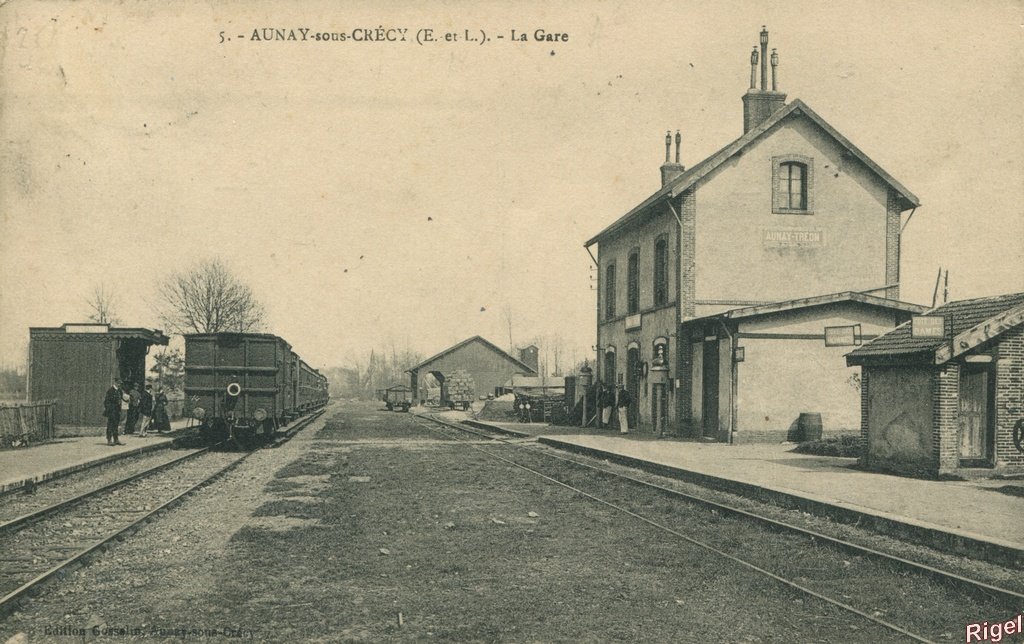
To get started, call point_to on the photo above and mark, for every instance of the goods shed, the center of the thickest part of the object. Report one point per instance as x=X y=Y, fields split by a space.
x=944 y=393
x=466 y=371
x=74 y=364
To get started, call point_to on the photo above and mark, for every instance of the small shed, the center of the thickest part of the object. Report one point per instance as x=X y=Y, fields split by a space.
x=74 y=364
x=478 y=368
x=755 y=371
x=943 y=393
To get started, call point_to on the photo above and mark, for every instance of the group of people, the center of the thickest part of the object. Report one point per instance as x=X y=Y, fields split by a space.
x=609 y=399
x=141 y=409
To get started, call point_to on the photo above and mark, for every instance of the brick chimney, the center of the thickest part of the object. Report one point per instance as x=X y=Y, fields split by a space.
x=670 y=171
x=759 y=104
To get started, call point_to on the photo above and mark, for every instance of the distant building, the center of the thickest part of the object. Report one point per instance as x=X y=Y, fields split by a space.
x=944 y=394
x=790 y=210
x=74 y=364
x=475 y=361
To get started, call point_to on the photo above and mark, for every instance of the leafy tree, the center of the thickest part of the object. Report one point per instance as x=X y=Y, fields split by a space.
x=169 y=366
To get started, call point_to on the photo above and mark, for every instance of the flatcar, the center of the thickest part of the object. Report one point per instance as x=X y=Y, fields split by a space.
x=247 y=386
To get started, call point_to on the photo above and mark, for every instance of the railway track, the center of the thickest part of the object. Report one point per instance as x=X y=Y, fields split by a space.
x=44 y=544
x=840 y=565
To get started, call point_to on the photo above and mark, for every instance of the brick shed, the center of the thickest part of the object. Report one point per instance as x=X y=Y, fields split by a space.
x=942 y=393
x=480 y=363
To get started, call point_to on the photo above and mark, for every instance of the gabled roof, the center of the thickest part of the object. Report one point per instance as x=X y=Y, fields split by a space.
x=687 y=179
x=807 y=302
x=475 y=338
x=973 y=322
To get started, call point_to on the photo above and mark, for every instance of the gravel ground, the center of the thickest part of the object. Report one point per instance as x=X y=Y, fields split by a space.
x=369 y=527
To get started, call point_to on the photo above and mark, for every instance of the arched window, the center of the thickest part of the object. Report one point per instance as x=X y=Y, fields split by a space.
x=661 y=344
x=633 y=284
x=793 y=189
x=609 y=365
x=660 y=271
x=609 y=291
x=793 y=185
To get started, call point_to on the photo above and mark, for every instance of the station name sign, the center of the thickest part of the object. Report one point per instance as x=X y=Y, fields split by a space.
x=792 y=237
x=927 y=326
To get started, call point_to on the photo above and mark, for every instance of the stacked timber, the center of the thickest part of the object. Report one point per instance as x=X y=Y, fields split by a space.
x=460 y=385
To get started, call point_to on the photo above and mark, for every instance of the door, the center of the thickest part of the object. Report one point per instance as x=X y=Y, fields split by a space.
x=709 y=403
x=975 y=416
x=633 y=385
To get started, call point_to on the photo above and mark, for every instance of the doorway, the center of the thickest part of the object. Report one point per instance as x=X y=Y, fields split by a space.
x=709 y=403
x=976 y=415
x=633 y=385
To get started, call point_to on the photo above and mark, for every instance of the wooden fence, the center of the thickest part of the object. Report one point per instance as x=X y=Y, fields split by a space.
x=22 y=424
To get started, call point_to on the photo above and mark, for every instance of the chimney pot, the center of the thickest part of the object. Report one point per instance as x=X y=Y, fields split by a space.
x=668 y=144
x=764 y=58
x=753 y=68
x=678 y=140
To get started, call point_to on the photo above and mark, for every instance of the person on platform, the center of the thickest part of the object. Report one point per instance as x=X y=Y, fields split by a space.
x=623 y=402
x=161 y=421
x=605 y=403
x=145 y=409
x=134 y=399
x=112 y=411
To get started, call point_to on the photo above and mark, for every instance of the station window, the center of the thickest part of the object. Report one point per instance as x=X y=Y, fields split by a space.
x=792 y=189
x=660 y=271
x=633 y=285
x=609 y=291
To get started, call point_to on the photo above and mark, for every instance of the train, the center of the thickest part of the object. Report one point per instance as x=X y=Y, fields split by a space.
x=247 y=386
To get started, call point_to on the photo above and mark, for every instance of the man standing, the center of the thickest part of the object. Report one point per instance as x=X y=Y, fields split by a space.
x=146 y=409
x=623 y=403
x=112 y=411
x=606 y=401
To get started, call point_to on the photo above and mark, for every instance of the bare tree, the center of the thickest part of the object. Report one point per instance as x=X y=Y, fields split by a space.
x=209 y=298
x=103 y=304
x=506 y=313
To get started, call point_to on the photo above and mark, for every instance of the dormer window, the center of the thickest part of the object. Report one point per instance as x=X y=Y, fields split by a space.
x=792 y=185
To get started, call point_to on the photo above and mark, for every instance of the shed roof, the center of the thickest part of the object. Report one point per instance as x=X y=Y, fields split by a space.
x=702 y=169
x=536 y=382
x=475 y=338
x=807 y=302
x=152 y=336
x=988 y=316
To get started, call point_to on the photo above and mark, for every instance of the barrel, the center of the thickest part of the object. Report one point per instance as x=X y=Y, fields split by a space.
x=809 y=427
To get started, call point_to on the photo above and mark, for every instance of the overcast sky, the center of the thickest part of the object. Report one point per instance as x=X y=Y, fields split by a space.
x=390 y=192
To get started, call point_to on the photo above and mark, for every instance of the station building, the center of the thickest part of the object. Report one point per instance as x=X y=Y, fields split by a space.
x=788 y=212
x=75 y=363
x=474 y=361
x=944 y=393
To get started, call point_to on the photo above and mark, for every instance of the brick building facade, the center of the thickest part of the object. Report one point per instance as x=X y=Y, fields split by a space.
x=946 y=405
x=789 y=210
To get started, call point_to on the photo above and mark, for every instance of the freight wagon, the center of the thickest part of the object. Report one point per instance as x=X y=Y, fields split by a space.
x=245 y=386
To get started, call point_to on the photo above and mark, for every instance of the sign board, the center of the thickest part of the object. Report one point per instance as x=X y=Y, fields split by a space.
x=792 y=237
x=86 y=328
x=927 y=326
x=842 y=336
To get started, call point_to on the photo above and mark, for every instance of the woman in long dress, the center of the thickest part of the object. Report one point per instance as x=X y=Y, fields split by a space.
x=161 y=422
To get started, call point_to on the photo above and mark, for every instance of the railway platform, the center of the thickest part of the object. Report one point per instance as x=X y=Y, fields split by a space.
x=978 y=517
x=64 y=456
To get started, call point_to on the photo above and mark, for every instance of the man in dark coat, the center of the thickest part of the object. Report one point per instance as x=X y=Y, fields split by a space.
x=112 y=411
x=623 y=402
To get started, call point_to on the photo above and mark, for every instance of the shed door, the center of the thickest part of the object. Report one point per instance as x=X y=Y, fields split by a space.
x=975 y=416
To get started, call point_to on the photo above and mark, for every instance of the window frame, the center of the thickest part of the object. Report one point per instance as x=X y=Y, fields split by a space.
x=660 y=277
x=633 y=282
x=781 y=198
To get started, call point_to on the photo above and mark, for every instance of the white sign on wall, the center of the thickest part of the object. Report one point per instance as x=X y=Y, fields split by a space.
x=927 y=326
x=792 y=237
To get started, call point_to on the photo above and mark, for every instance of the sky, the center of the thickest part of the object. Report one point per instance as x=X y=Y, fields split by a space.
x=396 y=193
